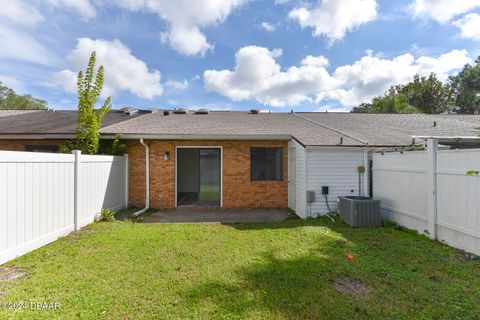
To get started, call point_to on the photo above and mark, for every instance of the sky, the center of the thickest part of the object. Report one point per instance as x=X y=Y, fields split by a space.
x=274 y=55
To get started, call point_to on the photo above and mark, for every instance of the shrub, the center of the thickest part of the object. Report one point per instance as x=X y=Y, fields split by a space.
x=107 y=215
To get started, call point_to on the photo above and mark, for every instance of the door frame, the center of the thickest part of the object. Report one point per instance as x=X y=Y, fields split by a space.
x=200 y=147
x=292 y=177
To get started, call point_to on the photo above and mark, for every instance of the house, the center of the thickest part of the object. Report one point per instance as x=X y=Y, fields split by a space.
x=238 y=159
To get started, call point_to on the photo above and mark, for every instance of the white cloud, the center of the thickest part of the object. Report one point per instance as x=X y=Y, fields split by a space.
x=83 y=7
x=18 y=44
x=258 y=76
x=318 y=61
x=12 y=83
x=67 y=79
x=19 y=12
x=177 y=85
x=370 y=76
x=123 y=71
x=16 y=39
x=185 y=20
x=469 y=26
x=332 y=109
x=441 y=10
x=270 y=27
x=334 y=18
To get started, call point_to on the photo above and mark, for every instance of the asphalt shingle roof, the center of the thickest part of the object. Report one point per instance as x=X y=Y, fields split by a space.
x=397 y=129
x=232 y=123
x=309 y=128
x=47 y=121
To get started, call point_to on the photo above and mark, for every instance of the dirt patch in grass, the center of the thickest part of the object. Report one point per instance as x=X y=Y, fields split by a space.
x=351 y=285
x=465 y=256
x=8 y=274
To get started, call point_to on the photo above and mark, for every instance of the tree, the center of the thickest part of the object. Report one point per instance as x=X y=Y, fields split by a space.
x=11 y=100
x=428 y=94
x=390 y=102
x=466 y=88
x=422 y=95
x=89 y=119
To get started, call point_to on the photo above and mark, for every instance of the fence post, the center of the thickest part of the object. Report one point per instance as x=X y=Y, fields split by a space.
x=432 y=146
x=125 y=156
x=76 y=187
x=365 y=174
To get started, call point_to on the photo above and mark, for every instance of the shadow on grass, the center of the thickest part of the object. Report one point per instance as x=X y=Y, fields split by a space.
x=406 y=276
x=291 y=223
x=300 y=288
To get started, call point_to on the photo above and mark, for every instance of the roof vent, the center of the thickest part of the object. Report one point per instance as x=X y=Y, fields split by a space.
x=202 y=111
x=129 y=111
x=166 y=113
x=254 y=111
x=180 y=111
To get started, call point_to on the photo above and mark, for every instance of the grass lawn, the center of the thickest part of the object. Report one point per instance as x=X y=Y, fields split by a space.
x=291 y=270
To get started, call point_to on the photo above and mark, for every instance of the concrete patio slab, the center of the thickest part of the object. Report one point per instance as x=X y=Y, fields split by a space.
x=185 y=215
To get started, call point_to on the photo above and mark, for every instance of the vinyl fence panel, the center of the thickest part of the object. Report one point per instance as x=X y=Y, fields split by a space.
x=101 y=185
x=37 y=196
x=400 y=181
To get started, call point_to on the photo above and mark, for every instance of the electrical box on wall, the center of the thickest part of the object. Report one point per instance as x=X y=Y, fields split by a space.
x=325 y=190
x=310 y=196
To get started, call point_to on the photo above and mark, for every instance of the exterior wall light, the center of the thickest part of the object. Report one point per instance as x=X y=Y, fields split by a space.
x=166 y=156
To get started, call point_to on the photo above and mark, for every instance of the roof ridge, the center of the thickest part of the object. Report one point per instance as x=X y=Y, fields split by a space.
x=333 y=129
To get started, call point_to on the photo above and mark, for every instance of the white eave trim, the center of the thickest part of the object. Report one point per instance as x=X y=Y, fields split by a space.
x=448 y=137
x=336 y=148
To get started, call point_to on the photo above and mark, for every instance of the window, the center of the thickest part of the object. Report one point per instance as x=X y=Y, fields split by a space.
x=266 y=164
x=42 y=148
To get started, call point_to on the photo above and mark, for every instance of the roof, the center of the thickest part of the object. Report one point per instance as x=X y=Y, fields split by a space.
x=48 y=121
x=230 y=124
x=397 y=129
x=308 y=128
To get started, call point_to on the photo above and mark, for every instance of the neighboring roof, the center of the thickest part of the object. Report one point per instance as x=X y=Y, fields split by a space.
x=308 y=128
x=49 y=121
x=4 y=113
x=397 y=129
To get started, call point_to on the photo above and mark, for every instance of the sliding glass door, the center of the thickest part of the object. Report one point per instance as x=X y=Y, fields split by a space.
x=198 y=176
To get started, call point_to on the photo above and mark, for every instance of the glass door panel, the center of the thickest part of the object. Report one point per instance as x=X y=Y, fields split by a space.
x=209 y=194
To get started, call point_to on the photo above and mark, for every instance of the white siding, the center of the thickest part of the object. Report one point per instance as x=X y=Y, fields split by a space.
x=337 y=169
x=300 y=183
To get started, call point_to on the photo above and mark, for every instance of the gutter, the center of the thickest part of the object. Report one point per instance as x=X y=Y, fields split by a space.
x=147 y=180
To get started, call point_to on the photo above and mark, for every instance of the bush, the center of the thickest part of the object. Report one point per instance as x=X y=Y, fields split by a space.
x=107 y=215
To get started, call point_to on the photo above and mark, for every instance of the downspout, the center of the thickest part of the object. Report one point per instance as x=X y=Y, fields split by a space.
x=147 y=180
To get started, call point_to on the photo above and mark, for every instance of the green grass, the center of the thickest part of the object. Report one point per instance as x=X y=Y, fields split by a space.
x=213 y=271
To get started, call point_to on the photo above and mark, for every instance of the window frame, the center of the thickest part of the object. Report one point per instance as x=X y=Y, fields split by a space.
x=281 y=164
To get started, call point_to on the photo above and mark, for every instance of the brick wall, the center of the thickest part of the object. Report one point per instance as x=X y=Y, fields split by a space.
x=19 y=145
x=238 y=190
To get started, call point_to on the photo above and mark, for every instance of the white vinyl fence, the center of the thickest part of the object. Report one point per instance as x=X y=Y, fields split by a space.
x=430 y=191
x=44 y=196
